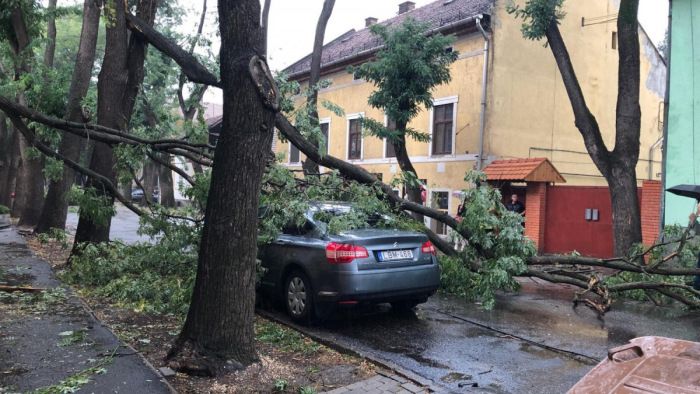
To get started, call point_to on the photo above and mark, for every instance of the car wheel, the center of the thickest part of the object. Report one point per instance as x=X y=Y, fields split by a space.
x=299 y=298
x=404 y=305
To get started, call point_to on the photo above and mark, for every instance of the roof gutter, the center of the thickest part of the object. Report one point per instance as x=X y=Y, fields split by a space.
x=479 y=158
x=360 y=54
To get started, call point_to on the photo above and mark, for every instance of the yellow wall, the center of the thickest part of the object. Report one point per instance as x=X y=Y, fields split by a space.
x=528 y=113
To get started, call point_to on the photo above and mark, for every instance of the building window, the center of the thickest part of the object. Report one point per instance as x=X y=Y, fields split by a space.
x=448 y=50
x=390 y=151
x=440 y=202
x=294 y=156
x=354 y=139
x=324 y=131
x=614 y=40
x=442 y=129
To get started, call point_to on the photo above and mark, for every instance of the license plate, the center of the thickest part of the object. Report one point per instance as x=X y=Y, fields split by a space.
x=395 y=255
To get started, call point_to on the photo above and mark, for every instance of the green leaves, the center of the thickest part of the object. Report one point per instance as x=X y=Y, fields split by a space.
x=411 y=64
x=536 y=15
x=497 y=232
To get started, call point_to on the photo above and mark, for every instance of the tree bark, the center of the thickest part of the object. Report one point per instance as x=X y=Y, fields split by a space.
x=117 y=87
x=111 y=89
x=9 y=181
x=165 y=176
x=29 y=194
x=51 y=36
x=55 y=208
x=619 y=166
x=309 y=166
x=6 y=153
x=404 y=160
x=219 y=324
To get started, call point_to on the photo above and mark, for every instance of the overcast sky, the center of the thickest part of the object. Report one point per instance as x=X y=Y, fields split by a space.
x=293 y=23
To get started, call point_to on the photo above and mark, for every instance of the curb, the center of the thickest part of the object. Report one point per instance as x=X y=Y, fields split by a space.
x=332 y=343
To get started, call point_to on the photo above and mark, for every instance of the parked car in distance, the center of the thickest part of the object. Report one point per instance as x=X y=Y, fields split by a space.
x=314 y=272
x=137 y=195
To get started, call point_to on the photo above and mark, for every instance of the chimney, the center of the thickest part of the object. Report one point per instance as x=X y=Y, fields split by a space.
x=370 y=21
x=406 y=6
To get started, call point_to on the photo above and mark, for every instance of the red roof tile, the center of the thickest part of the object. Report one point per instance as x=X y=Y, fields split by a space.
x=523 y=170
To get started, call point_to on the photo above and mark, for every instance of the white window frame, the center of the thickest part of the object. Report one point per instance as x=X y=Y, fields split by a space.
x=386 y=124
x=348 y=118
x=289 y=156
x=328 y=141
x=430 y=205
x=442 y=101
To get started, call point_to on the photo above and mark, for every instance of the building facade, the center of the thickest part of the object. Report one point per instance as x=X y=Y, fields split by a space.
x=506 y=99
x=683 y=147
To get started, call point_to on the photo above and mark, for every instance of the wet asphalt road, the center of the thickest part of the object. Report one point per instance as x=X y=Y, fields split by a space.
x=124 y=226
x=533 y=341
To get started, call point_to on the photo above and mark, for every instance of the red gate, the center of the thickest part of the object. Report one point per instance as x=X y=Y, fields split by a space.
x=568 y=228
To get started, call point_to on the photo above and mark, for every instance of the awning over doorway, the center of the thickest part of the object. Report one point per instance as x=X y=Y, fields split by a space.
x=523 y=170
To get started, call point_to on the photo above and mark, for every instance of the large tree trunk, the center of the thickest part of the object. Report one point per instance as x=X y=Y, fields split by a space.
x=117 y=87
x=10 y=181
x=413 y=193
x=56 y=205
x=29 y=194
x=618 y=166
x=167 y=193
x=50 y=35
x=7 y=139
x=150 y=172
x=219 y=323
x=309 y=166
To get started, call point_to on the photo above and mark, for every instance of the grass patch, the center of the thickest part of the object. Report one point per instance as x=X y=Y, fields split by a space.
x=284 y=339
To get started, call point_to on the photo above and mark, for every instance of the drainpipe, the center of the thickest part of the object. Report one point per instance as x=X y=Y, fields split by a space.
x=662 y=221
x=651 y=157
x=479 y=160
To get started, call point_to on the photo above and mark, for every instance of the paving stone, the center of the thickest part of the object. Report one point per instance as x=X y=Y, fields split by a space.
x=412 y=388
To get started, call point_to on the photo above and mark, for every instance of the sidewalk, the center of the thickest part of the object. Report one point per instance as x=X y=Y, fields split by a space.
x=51 y=339
x=382 y=383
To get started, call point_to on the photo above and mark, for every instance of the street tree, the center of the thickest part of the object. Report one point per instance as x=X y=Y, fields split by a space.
x=219 y=324
x=618 y=166
x=411 y=64
x=55 y=209
x=118 y=84
x=309 y=166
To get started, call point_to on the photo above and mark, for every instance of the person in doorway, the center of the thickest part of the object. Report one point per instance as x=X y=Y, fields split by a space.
x=693 y=218
x=516 y=206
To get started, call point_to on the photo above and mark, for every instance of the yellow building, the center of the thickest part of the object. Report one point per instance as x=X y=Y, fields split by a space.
x=523 y=112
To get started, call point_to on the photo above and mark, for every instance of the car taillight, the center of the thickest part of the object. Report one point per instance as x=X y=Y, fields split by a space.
x=428 y=248
x=344 y=253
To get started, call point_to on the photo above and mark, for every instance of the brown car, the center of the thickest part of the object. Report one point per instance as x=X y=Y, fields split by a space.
x=646 y=365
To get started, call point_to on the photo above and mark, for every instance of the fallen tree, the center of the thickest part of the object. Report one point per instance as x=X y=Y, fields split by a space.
x=602 y=278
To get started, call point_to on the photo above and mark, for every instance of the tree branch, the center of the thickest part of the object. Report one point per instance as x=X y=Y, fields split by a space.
x=584 y=119
x=194 y=70
x=34 y=141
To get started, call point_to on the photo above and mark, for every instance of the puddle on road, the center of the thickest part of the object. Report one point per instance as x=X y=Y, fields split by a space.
x=621 y=335
x=455 y=377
